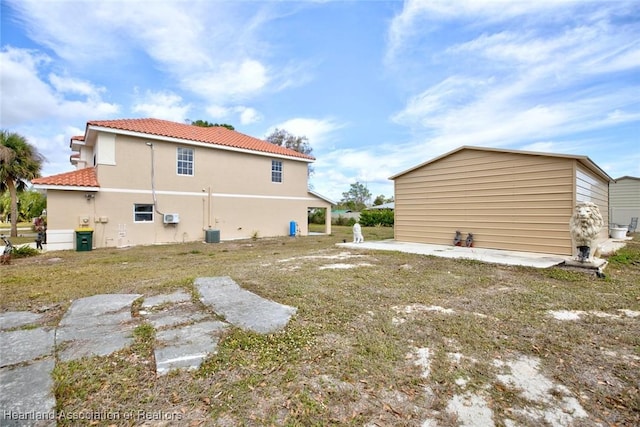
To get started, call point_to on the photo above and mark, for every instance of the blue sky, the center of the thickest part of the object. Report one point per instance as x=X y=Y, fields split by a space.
x=376 y=86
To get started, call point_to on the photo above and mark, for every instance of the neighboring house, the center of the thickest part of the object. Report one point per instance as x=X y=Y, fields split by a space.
x=508 y=199
x=624 y=200
x=344 y=214
x=390 y=206
x=149 y=181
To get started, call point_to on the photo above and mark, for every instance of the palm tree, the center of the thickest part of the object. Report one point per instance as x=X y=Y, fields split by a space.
x=19 y=163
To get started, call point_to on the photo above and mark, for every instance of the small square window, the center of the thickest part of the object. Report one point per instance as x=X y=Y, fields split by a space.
x=142 y=213
x=276 y=171
x=185 y=161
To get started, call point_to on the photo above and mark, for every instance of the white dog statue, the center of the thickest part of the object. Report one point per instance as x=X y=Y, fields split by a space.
x=585 y=225
x=357 y=233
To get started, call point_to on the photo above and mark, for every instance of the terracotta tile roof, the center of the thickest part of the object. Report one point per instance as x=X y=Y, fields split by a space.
x=85 y=177
x=216 y=135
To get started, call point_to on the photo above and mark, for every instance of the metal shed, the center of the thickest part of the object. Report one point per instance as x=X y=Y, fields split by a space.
x=508 y=199
x=624 y=200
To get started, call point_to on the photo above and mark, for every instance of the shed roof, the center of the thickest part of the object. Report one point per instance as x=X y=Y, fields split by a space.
x=633 y=178
x=586 y=161
x=215 y=135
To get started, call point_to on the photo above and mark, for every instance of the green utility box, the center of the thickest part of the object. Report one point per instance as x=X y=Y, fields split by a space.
x=84 y=239
x=212 y=236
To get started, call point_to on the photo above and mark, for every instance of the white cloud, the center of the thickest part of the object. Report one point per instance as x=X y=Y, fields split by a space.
x=26 y=96
x=522 y=85
x=320 y=132
x=162 y=105
x=230 y=81
x=212 y=49
x=248 y=115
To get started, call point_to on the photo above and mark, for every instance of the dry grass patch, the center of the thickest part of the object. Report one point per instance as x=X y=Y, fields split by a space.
x=350 y=355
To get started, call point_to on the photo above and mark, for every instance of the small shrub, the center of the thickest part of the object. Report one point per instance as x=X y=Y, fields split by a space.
x=24 y=251
x=373 y=218
x=341 y=220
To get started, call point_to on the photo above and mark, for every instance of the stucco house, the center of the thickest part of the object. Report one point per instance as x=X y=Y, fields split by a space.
x=150 y=181
x=624 y=200
x=508 y=199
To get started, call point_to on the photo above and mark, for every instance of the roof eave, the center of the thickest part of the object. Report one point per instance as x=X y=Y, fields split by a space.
x=584 y=159
x=90 y=127
x=320 y=196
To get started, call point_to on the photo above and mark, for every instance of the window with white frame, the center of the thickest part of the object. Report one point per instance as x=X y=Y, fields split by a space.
x=276 y=171
x=142 y=212
x=185 y=161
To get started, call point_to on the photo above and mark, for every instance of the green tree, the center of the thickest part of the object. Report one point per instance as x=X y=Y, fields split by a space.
x=357 y=198
x=31 y=204
x=381 y=200
x=206 y=124
x=19 y=163
x=297 y=143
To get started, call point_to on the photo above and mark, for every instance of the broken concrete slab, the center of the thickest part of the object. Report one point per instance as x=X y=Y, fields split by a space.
x=241 y=307
x=158 y=300
x=96 y=326
x=174 y=317
x=24 y=345
x=17 y=319
x=188 y=346
x=26 y=395
x=98 y=304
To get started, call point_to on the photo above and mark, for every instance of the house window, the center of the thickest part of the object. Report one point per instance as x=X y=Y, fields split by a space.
x=142 y=213
x=276 y=171
x=185 y=161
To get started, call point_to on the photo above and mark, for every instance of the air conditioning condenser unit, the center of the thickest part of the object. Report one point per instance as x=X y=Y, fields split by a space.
x=171 y=218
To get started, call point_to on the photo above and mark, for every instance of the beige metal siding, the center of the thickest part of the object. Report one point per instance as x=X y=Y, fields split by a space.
x=624 y=200
x=507 y=200
x=590 y=188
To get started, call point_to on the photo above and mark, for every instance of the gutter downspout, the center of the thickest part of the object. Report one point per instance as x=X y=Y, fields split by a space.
x=153 y=180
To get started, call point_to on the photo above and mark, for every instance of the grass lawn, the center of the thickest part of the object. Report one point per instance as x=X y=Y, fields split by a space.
x=398 y=339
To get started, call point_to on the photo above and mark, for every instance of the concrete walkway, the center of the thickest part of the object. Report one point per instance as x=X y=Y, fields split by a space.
x=26 y=362
x=243 y=308
x=186 y=333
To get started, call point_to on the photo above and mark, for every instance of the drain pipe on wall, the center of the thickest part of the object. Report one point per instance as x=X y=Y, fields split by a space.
x=153 y=179
x=209 y=207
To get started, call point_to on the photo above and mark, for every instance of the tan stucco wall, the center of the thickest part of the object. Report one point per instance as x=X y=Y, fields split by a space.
x=224 y=171
x=244 y=202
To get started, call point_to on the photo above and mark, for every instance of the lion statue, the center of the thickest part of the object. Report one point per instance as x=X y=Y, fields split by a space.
x=585 y=225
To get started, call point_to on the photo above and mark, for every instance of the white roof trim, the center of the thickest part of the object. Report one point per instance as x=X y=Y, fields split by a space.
x=65 y=187
x=320 y=196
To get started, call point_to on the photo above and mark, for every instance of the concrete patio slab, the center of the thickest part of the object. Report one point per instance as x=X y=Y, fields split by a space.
x=529 y=259
x=241 y=307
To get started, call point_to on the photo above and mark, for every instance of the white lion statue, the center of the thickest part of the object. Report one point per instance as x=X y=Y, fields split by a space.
x=585 y=225
x=357 y=233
